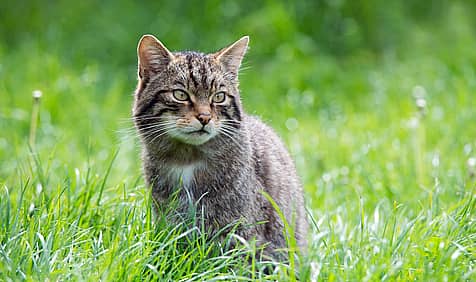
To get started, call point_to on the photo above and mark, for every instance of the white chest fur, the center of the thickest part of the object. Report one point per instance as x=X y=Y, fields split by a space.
x=184 y=174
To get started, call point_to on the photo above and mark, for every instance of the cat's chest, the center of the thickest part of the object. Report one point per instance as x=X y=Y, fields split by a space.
x=184 y=174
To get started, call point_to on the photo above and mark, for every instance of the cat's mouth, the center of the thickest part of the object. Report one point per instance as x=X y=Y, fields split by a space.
x=199 y=132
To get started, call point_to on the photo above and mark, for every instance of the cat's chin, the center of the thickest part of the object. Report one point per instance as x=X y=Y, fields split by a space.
x=195 y=138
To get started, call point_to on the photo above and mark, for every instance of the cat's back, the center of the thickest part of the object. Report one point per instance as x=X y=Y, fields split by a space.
x=273 y=164
x=276 y=172
x=269 y=149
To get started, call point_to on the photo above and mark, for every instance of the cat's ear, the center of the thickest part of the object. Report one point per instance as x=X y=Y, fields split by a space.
x=230 y=57
x=153 y=56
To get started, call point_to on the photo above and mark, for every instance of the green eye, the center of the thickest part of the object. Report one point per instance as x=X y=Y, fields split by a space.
x=180 y=95
x=219 y=97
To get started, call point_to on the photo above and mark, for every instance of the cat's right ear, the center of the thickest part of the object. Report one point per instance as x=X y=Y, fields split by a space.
x=153 y=56
x=230 y=57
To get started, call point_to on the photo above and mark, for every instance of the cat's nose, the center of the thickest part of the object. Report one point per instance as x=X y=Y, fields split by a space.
x=204 y=118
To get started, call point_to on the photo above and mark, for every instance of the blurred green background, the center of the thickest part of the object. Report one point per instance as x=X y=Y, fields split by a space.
x=336 y=79
x=376 y=101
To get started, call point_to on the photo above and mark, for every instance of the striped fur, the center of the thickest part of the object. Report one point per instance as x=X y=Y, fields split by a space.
x=215 y=154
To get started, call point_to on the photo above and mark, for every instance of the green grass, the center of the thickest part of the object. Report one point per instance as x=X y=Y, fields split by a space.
x=390 y=186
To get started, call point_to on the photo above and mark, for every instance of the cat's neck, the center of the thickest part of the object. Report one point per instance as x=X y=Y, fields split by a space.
x=171 y=152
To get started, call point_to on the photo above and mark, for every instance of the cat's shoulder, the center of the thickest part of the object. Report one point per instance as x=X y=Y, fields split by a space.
x=259 y=130
x=255 y=123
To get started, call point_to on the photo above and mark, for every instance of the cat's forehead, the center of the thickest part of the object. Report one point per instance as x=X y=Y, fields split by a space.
x=196 y=70
x=195 y=61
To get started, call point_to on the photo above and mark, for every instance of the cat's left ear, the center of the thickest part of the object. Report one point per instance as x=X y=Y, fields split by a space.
x=230 y=57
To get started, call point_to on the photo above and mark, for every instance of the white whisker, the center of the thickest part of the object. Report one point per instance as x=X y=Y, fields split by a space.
x=154 y=125
x=156 y=130
x=165 y=131
x=143 y=117
x=231 y=134
x=230 y=120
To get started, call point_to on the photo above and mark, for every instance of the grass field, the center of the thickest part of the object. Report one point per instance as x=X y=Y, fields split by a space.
x=385 y=143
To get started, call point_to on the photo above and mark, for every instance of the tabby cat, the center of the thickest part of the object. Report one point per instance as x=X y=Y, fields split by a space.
x=199 y=144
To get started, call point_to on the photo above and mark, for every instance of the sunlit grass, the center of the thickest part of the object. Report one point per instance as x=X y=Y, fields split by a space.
x=385 y=145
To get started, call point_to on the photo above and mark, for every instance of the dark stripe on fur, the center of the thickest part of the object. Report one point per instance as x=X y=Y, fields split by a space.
x=143 y=108
x=236 y=109
x=190 y=71
x=203 y=74
x=167 y=109
x=224 y=112
x=212 y=83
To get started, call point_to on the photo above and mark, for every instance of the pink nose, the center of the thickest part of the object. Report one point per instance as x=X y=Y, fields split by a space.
x=204 y=118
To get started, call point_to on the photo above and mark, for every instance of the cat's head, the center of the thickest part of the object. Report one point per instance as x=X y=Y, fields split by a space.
x=187 y=96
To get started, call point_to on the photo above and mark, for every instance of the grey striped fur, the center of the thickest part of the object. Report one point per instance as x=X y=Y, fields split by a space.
x=211 y=151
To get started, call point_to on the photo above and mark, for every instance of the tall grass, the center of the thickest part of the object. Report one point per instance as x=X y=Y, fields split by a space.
x=389 y=173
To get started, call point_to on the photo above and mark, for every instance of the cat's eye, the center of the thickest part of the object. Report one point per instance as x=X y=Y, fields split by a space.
x=180 y=95
x=219 y=97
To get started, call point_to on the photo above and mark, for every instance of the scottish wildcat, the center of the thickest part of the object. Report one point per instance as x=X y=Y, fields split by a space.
x=197 y=138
